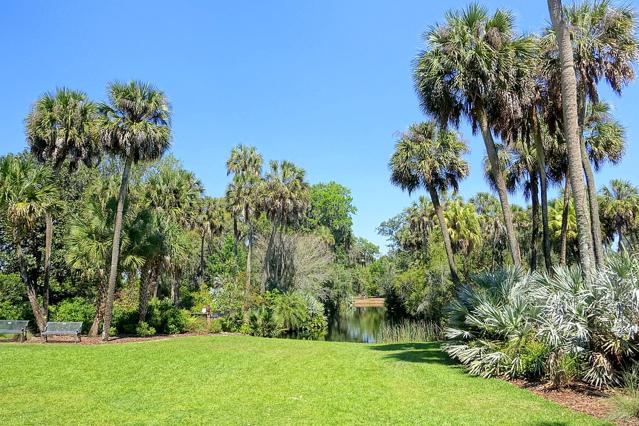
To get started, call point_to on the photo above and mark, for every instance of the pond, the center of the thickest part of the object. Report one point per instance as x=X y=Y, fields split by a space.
x=356 y=324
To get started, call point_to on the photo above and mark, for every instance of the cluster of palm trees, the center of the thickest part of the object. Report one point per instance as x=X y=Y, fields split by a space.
x=281 y=194
x=66 y=128
x=537 y=95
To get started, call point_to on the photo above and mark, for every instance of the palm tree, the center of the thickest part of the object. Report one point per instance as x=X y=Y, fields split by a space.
x=210 y=222
x=463 y=226
x=26 y=195
x=472 y=67
x=522 y=170
x=619 y=209
x=61 y=128
x=571 y=136
x=134 y=127
x=284 y=197
x=245 y=164
x=605 y=47
x=428 y=157
x=420 y=221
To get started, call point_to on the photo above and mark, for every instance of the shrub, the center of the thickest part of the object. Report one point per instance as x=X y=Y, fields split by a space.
x=216 y=326
x=581 y=331
x=144 y=330
x=264 y=322
x=124 y=320
x=195 y=325
x=74 y=309
x=626 y=403
x=166 y=318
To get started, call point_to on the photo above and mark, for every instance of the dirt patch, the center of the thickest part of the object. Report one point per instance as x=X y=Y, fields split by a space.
x=86 y=340
x=578 y=397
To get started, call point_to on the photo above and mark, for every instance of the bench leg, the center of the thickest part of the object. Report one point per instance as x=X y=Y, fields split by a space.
x=77 y=338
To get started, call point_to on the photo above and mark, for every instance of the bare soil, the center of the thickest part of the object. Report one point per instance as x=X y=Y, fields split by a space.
x=578 y=397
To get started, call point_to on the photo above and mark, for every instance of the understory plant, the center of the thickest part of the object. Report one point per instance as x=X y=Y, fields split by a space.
x=553 y=327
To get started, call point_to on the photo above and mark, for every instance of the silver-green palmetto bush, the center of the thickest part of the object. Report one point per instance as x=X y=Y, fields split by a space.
x=555 y=327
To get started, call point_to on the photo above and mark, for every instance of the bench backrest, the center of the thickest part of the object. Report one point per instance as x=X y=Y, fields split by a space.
x=13 y=325
x=64 y=326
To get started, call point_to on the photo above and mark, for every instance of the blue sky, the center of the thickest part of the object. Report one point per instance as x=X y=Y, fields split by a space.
x=324 y=84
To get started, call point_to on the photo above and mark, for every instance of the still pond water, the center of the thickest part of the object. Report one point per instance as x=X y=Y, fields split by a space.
x=356 y=324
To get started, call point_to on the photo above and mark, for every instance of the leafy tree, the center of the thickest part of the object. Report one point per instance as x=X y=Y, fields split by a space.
x=134 y=127
x=26 y=196
x=428 y=157
x=331 y=206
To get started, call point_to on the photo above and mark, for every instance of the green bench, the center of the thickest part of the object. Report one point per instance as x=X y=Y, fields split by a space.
x=14 y=327
x=62 y=329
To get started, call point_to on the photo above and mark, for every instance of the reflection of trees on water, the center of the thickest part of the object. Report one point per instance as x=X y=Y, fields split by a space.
x=356 y=324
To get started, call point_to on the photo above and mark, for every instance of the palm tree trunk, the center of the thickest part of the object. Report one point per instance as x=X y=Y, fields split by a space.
x=202 y=256
x=571 y=135
x=496 y=172
x=534 y=195
x=144 y=293
x=115 y=250
x=100 y=306
x=444 y=228
x=620 y=242
x=250 y=243
x=541 y=159
x=594 y=206
x=31 y=290
x=236 y=235
x=48 y=242
x=563 y=238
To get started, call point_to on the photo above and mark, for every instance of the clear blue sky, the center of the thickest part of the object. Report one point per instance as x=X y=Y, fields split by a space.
x=323 y=84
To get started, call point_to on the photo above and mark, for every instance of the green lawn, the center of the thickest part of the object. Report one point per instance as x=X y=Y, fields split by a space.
x=247 y=380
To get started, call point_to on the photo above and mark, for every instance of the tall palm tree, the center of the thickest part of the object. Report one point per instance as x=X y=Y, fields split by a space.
x=472 y=67
x=210 y=223
x=26 y=195
x=134 y=127
x=604 y=47
x=463 y=226
x=61 y=127
x=284 y=196
x=245 y=164
x=571 y=136
x=428 y=157
x=619 y=209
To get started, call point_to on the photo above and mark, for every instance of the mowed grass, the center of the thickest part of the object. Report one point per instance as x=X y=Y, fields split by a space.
x=248 y=380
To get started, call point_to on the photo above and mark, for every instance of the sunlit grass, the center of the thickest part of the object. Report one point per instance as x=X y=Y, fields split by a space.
x=247 y=380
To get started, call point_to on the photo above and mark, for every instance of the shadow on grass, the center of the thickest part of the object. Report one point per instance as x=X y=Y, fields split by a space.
x=415 y=352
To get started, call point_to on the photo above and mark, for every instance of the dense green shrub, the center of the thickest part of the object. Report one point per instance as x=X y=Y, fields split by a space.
x=216 y=326
x=144 y=330
x=12 y=303
x=264 y=322
x=124 y=321
x=557 y=326
x=166 y=318
x=74 y=309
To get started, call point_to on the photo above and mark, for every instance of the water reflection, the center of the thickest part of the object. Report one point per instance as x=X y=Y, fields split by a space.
x=356 y=324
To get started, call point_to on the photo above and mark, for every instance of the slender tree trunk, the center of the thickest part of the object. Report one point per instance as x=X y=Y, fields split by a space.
x=541 y=160
x=498 y=176
x=48 y=242
x=444 y=228
x=534 y=195
x=563 y=238
x=250 y=243
x=620 y=242
x=594 y=206
x=236 y=235
x=571 y=135
x=144 y=292
x=115 y=250
x=31 y=290
x=99 y=309
x=202 y=256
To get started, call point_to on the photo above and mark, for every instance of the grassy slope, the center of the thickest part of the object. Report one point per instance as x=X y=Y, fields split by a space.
x=246 y=380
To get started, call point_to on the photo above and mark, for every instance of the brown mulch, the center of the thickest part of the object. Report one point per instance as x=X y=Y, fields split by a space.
x=97 y=340
x=578 y=397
